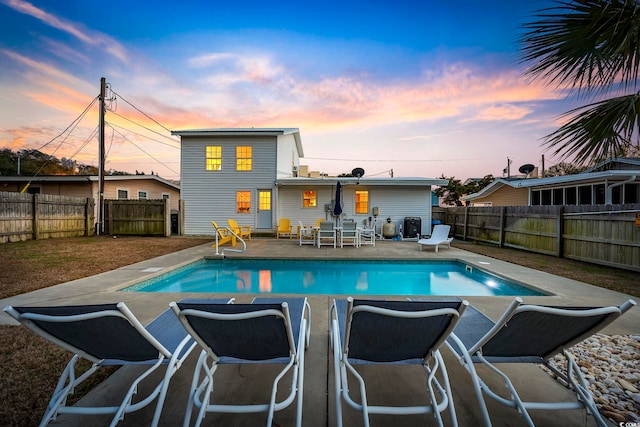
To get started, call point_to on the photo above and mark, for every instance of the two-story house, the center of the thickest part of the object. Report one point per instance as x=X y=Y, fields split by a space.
x=252 y=175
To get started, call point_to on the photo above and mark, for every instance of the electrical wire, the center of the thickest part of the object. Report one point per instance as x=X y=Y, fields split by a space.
x=141 y=135
x=145 y=152
x=70 y=129
x=74 y=123
x=396 y=161
x=86 y=141
x=140 y=111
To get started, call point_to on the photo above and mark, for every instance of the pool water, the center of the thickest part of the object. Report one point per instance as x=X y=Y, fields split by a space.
x=333 y=277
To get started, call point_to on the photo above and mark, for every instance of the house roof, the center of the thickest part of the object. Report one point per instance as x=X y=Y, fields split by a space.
x=86 y=178
x=617 y=163
x=411 y=182
x=245 y=132
x=584 y=177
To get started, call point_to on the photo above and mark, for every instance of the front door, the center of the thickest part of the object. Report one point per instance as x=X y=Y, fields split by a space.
x=264 y=209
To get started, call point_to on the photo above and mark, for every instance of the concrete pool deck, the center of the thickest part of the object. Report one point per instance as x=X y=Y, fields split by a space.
x=390 y=385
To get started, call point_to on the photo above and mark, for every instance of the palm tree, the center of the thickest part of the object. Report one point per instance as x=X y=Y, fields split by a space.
x=590 y=48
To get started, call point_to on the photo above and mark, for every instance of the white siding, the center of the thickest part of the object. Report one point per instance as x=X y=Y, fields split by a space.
x=393 y=202
x=211 y=195
x=290 y=203
x=287 y=156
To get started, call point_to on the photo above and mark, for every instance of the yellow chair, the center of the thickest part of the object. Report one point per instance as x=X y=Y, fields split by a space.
x=284 y=228
x=224 y=235
x=318 y=221
x=241 y=230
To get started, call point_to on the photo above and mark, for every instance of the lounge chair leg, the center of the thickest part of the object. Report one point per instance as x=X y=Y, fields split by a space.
x=467 y=363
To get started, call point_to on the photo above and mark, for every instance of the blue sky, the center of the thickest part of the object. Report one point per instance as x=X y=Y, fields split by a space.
x=421 y=87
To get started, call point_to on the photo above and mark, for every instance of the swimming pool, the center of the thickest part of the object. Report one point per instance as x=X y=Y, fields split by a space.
x=333 y=277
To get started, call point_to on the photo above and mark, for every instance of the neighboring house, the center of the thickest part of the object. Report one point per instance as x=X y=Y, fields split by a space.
x=253 y=176
x=115 y=186
x=615 y=181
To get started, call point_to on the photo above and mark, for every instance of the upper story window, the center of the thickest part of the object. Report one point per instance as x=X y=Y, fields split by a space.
x=123 y=194
x=309 y=199
x=362 y=202
x=244 y=158
x=142 y=195
x=243 y=202
x=213 y=158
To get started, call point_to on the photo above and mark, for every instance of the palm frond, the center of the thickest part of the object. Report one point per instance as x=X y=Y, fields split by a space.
x=584 y=44
x=599 y=130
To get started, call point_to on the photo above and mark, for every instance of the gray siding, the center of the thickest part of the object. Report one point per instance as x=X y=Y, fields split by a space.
x=211 y=195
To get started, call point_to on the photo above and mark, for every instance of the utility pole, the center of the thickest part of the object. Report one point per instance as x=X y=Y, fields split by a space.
x=101 y=155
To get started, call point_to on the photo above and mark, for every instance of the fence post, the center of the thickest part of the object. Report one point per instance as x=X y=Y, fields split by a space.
x=110 y=213
x=181 y=217
x=167 y=218
x=87 y=217
x=503 y=218
x=36 y=217
x=560 y=231
x=466 y=222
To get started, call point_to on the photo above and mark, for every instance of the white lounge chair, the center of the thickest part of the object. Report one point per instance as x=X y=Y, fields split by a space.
x=439 y=236
x=269 y=330
x=530 y=334
x=393 y=333
x=108 y=335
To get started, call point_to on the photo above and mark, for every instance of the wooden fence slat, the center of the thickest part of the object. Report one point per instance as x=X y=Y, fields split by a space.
x=600 y=234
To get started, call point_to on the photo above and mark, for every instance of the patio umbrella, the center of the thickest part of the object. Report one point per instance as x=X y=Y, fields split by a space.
x=337 y=207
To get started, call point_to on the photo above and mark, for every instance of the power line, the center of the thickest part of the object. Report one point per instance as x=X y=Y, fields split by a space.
x=140 y=111
x=144 y=127
x=74 y=123
x=69 y=128
x=86 y=141
x=396 y=161
x=141 y=135
x=145 y=152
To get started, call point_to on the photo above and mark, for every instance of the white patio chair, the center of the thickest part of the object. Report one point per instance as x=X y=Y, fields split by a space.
x=326 y=234
x=306 y=234
x=349 y=234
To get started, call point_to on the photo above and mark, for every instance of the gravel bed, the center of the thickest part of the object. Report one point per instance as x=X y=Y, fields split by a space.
x=611 y=366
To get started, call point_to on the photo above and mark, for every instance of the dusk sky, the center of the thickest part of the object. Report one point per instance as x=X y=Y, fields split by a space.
x=421 y=87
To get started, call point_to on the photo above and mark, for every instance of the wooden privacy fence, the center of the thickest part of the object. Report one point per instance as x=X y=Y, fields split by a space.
x=43 y=216
x=137 y=217
x=600 y=234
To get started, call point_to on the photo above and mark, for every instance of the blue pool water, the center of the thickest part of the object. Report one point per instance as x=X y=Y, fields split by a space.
x=333 y=277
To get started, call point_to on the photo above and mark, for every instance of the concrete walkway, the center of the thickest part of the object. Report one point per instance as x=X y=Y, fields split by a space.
x=384 y=384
